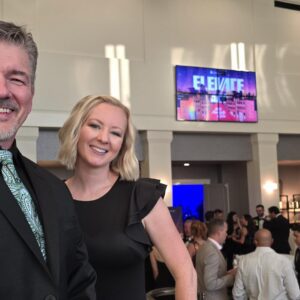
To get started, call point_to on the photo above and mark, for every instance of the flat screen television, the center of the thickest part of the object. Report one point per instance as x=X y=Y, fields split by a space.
x=215 y=95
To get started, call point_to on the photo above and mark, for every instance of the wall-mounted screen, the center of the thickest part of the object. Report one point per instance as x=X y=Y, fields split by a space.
x=206 y=94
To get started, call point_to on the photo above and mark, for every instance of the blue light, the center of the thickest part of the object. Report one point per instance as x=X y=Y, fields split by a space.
x=190 y=198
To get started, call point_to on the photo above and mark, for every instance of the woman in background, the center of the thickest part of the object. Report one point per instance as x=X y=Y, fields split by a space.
x=231 y=247
x=121 y=216
x=199 y=234
x=246 y=239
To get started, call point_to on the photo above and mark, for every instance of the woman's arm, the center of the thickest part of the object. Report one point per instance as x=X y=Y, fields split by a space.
x=166 y=239
x=154 y=264
x=241 y=240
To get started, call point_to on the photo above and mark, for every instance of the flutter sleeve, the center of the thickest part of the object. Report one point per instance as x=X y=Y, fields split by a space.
x=145 y=194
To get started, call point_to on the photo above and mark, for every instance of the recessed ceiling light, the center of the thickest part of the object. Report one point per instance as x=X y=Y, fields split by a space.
x=186 y=164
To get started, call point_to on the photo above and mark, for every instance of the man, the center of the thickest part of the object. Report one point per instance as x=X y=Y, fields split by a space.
x=296 y=229
x=213 y=278
x=187 y=234
x=265 y=274
x=218 y=214
x=208 y=216
x=260 y=218
x=42 y=251
x=280 y=229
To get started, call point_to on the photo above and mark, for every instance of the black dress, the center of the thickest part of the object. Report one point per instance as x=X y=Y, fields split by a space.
x=116 y=239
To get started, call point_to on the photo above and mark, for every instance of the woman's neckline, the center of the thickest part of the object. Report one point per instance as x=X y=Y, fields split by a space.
x=100 y=197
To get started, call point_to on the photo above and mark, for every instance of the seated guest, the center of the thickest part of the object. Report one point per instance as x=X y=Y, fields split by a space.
x=260 y=218
x=296 y=229
x=213 y=278
x=199 y=233
x=280 y=229
x=265 y=274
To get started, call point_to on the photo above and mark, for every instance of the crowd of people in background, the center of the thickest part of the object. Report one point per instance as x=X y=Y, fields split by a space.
x=244 y=257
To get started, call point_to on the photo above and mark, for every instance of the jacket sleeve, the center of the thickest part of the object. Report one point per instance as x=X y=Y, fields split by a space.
x=238 y=291
x=211 y=280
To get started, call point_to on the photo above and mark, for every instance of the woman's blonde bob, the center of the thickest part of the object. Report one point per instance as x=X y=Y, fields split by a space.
x=125 y=164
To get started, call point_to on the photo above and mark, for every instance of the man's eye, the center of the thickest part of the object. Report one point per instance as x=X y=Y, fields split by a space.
x=17 y=81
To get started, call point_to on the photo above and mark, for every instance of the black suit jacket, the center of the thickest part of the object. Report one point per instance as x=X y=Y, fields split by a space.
x=23 y=272
x=280 y=229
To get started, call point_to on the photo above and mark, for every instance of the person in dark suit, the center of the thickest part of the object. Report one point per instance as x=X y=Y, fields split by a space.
x=280 y=229
x=296 y=230
x=42 y=251
x=260 y=218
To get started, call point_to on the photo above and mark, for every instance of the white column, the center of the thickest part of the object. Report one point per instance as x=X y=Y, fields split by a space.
x=262 y=169
x=27 y=141
x=157 y=161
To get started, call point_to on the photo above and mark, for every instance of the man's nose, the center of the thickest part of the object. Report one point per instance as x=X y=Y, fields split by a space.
x=4 y=91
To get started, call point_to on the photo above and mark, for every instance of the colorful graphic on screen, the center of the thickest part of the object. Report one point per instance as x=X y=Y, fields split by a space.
x=205 y=94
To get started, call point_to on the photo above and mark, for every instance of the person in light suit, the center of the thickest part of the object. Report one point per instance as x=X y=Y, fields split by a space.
x=211 y=267
x=51 y=262
x=265 y=274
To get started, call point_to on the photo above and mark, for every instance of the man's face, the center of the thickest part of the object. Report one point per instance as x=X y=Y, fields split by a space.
x=297 y=238
x=16 y=91
x=272 y=215
x=187 y=228
x=260 y=212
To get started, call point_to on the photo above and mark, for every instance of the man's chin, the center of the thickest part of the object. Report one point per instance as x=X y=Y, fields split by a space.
x=7 y=136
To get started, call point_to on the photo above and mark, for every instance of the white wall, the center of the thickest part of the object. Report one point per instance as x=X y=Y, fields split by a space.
x=157 y=35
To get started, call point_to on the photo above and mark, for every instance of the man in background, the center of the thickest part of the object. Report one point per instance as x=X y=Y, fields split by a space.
x=41 y=251
x=218 y=214
x=211 y=267
x=265 y=274
x=260 y=218
x=280 y=230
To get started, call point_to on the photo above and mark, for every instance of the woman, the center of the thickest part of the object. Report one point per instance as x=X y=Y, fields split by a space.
x=199 y=234
x=246 y=239
x=120 y=216
x=231 y=247
x=161 y=274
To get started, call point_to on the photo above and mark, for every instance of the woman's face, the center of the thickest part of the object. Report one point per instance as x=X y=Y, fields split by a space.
x=235 y=218
x=244 y=221
x=102 y=135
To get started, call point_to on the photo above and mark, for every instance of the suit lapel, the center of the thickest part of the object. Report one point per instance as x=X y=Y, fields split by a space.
x=219 y=252
x=14 y=214
x=48 y=216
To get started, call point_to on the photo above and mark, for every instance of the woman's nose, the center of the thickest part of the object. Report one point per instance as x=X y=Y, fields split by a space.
x=103 y=136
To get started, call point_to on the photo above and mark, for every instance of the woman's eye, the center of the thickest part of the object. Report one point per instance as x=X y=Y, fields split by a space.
x=95 y=126
x=117 y=133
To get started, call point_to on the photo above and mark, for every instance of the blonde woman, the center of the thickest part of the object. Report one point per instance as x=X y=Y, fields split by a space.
x=121 y=215
x=199 y=234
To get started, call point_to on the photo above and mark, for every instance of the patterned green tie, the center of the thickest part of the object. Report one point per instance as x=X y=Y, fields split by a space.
x=23 y=198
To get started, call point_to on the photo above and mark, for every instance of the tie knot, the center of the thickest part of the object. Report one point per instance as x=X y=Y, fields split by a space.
x=5 y=156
